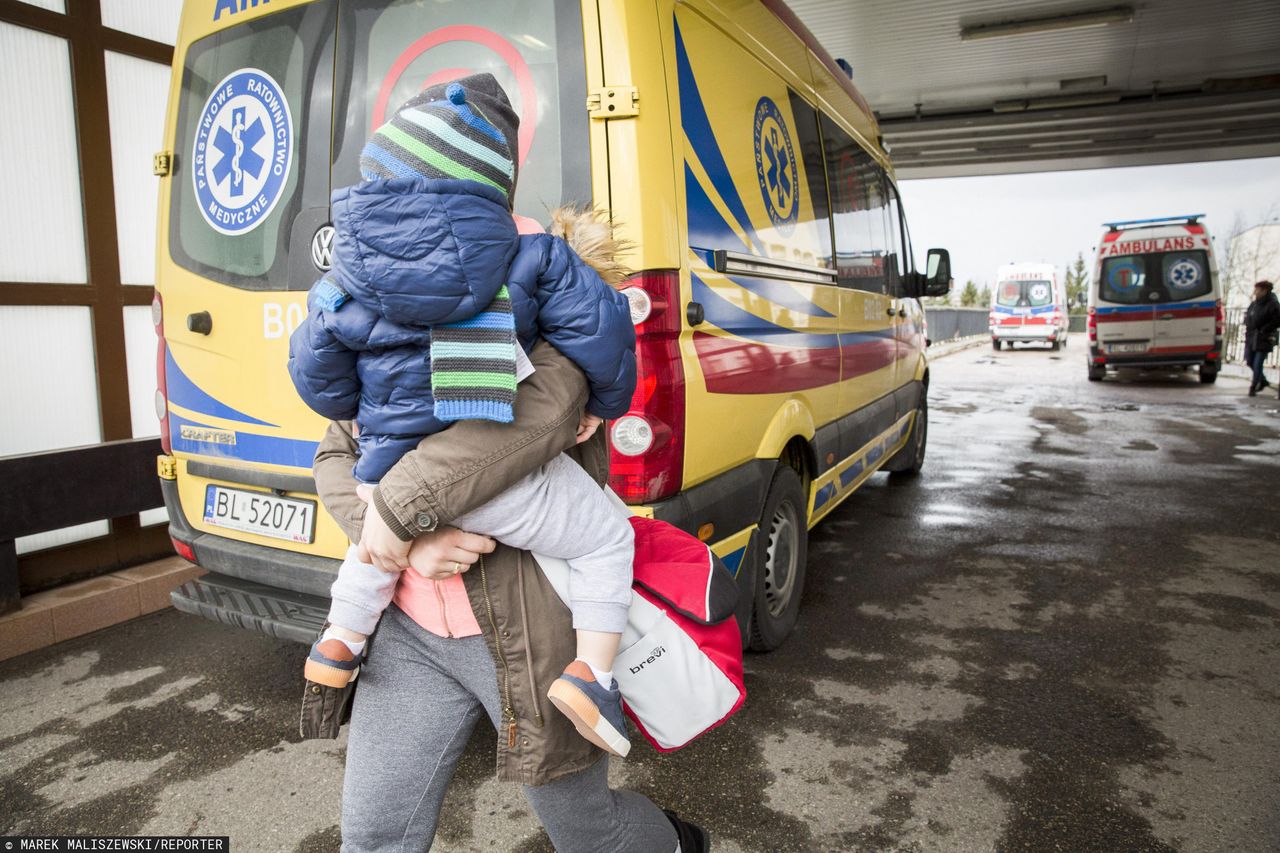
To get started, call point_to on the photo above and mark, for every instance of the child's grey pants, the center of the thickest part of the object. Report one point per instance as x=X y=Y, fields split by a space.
x=419 y=698
x=558 y=511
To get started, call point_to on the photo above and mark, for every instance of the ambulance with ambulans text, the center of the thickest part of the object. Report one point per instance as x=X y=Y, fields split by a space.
x=780 y=335
x=1028 y=305
x=1155 y=300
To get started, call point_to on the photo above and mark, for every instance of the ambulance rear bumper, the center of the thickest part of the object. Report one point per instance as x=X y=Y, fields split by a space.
x=1025 y=333
x=259 y=564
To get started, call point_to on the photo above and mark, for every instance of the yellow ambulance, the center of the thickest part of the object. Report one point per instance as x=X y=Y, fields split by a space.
x=781 y=341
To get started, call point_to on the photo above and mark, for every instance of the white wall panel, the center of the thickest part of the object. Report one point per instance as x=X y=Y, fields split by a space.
x=137 y=90
x=65 y=536
x=153 y=19
x=140 y=355
x=51 y=5
x=148 y=517
x=41 y=226
x=49 y=387
x=50 y=394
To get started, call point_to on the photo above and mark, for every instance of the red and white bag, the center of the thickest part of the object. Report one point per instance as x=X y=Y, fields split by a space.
x=680 y=663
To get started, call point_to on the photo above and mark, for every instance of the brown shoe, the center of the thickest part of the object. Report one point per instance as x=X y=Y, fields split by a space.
x=331 y=671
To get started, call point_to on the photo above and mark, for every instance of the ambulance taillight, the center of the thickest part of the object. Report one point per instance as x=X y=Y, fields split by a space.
x=1220 y=320
x=647 y=443
x=1093 y=326
x=162 y=385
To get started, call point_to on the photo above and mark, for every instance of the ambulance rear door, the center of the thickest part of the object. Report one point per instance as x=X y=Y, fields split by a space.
x=1185 y=318
x=1124 y=312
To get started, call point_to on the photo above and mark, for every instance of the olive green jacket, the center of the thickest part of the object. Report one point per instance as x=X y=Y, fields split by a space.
x=527 y=626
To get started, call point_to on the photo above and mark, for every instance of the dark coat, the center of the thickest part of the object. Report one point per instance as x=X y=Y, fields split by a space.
x=1261 y=321
x=413 y=253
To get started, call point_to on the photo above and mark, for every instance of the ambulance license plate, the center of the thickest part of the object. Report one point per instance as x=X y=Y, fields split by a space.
x=1141 y=347
x=261 y=513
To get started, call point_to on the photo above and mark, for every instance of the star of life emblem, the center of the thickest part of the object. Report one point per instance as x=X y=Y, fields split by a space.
x=242 y=152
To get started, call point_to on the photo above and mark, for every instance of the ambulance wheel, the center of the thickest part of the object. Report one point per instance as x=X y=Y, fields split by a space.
x=782 y=554
x=1054 y=346
x=1096 y=373
x=908 y=461
x=995 y=344
x=1208 y=376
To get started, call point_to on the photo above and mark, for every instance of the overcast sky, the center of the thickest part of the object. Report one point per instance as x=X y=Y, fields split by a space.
x=1050 y=216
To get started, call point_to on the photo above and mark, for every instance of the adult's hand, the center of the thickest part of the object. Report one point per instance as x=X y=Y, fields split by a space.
x=447 y=552
x=380 y=546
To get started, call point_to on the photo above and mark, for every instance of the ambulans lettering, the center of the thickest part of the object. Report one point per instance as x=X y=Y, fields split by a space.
x=233 y=6
x=1141 y=247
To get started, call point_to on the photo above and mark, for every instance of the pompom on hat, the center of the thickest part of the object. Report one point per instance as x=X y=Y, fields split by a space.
x=464 y=130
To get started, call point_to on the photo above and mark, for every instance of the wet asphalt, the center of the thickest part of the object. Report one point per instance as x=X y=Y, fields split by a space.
x=1064 y=635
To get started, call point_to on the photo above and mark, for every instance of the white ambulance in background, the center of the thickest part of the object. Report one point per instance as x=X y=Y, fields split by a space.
x=1154 y=300
x=1028 y=304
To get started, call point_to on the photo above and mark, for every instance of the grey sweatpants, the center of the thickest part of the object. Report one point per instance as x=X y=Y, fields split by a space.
x=558 y=511
x=420 y=697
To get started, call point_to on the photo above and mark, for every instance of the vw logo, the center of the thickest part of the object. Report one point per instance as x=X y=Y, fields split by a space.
x=322 y=248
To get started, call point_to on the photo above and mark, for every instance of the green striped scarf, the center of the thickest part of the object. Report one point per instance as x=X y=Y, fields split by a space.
x=473 y=365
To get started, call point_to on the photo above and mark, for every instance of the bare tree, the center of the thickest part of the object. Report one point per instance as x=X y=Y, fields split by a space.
x=1249 y=253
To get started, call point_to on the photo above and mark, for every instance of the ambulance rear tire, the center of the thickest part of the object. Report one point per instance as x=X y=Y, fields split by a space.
x=780 y=564
x=1208 y=375
x=908 y=461
x=995 y=344
x=1096 y=373
x=1054 y=346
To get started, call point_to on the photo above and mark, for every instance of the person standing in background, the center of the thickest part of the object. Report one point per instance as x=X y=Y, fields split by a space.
x=1261 y=322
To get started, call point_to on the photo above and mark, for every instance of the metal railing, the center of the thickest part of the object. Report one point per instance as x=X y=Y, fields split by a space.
x=1233 y=339
x=947 y=324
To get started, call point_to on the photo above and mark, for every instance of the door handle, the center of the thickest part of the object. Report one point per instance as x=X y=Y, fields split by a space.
x=891 y=311
x=200 y=322
x=1166 y=316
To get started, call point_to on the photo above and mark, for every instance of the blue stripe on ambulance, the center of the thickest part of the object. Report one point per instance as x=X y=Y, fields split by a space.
x=185 y=393
x=851 y=473
x=825 y=494
x=693 y=117
x=1043 y=309
x=744 y=324
x=248 y=447
x=780 y=293
x=733 y=561
x=708 y=228
x=1177 y=306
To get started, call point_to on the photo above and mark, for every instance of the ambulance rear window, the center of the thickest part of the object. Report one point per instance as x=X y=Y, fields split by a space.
x=1155 y=278
x=1024 y=294
x=251 y=149
x=388 y=52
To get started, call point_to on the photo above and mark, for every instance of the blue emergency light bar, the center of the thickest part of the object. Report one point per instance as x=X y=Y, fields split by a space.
x=1190 y=219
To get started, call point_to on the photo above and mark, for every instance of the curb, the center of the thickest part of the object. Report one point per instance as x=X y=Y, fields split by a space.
x=46 y=618
x=942 y=349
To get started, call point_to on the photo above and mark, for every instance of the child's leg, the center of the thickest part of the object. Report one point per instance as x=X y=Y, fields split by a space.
x=360 y=594
x=561 y=512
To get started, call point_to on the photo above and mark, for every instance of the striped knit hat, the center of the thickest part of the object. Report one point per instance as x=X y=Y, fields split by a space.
x=449 y=138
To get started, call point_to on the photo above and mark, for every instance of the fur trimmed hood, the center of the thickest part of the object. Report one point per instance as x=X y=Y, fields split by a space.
x=589 y=233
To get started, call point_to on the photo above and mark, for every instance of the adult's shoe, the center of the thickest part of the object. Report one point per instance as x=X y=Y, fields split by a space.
x=692 y=838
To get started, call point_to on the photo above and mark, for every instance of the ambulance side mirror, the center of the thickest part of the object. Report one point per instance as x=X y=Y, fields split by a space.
x=938 y=277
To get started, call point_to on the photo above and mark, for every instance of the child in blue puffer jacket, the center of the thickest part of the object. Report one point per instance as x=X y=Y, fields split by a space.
x=425 y=319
